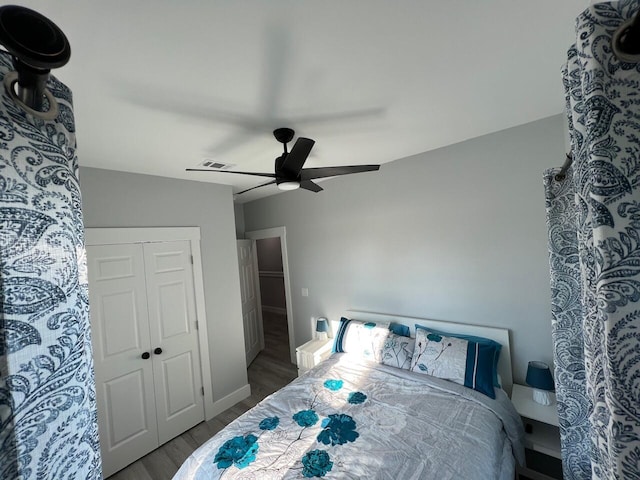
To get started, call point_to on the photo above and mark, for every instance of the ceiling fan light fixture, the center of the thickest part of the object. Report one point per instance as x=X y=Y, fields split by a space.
x=289 y=185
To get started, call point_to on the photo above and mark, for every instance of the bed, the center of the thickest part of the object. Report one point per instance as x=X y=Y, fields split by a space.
x=368 y=412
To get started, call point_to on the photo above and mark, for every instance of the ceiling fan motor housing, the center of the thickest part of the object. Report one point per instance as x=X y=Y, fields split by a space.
x=284 y=180
x=280 y=173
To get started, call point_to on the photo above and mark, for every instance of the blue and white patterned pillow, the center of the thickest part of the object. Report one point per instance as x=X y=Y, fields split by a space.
x=398 y=351
x=473 y=338
x=363 y=338
x=461 y=361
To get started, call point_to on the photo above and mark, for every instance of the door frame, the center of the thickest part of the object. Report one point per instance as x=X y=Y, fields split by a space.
x=280 y=232
x=115 y=236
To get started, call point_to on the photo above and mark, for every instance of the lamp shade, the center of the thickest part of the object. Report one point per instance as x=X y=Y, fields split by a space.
x=322 y=325
x=539 y=376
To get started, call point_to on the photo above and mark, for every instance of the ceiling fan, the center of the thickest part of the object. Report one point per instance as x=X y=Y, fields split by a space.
x=289 y=173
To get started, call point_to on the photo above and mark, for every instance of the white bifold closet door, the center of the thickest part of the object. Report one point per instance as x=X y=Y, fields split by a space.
x=147 y=362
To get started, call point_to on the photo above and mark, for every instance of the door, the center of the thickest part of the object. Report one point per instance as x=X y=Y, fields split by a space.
x=142 y=301
x=249 y=294
x=120 y=329
x=174 y=338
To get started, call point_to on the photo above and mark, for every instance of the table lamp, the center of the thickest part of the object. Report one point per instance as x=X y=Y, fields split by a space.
x=539 y=377
x=322 y=327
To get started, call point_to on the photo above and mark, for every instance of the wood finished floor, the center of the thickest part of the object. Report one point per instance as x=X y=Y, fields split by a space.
x=271 y=370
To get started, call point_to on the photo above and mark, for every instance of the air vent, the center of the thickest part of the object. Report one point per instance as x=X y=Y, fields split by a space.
x=213 y=165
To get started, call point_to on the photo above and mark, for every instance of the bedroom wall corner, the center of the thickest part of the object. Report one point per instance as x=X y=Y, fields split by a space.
x=121 y=199
x=456 y=234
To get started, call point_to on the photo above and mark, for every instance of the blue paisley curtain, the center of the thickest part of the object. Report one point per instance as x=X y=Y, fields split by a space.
x=48 y=424
x=593 y=217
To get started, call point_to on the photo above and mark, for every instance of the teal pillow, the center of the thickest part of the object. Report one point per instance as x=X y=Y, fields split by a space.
x=337 y=341
x=473 y=338
x=400 y=329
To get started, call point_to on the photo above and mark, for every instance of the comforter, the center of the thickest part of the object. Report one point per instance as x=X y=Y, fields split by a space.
x=353 y=419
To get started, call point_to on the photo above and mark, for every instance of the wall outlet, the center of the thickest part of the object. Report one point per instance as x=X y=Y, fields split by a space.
x=305 y=292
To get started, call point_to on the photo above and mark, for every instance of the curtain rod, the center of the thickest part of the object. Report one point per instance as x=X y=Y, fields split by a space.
x=626 y=40
x=562 y=174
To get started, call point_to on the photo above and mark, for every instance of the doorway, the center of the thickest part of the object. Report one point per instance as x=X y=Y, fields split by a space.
x=273 y=269
x=272 y=295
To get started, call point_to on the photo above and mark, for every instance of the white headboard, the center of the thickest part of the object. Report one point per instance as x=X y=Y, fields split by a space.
x=500 y=335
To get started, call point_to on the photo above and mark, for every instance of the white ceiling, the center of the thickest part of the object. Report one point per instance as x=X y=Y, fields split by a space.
x=161 y=85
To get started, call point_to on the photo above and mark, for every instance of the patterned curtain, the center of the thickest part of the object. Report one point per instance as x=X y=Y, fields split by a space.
x=593 y=217
x=48 y=424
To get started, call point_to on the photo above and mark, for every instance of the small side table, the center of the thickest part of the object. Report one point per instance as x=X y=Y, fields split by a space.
x=312 y=353
x=543 y=426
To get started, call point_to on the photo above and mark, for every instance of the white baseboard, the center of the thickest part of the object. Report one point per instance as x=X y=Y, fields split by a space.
x=230 y=400
x=268 y=308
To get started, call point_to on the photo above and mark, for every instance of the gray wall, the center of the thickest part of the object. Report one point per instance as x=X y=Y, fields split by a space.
x=456 y=234
x=119 y=199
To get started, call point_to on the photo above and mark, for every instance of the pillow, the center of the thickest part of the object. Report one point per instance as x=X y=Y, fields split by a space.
x=400 y=329
x=398 y=350
x=364 y=338
x=461 y=361
x=484 y=341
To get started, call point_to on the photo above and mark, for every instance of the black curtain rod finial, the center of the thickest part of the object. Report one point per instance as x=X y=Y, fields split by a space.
x=626 y=40
x=37 y=46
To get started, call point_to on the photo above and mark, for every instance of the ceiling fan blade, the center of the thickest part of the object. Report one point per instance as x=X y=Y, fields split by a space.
x=295 y=159
x=253 y=188
x=255 y=174
x=323 y=172
x=311 y=186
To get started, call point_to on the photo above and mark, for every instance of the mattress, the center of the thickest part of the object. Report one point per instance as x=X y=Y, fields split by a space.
x=350 y=418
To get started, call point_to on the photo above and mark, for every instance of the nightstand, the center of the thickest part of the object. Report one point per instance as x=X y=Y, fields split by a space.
x=312 y=353
x=543 y=440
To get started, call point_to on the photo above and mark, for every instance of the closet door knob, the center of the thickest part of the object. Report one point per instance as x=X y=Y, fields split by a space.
x=157 y=351
x=145 y=355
